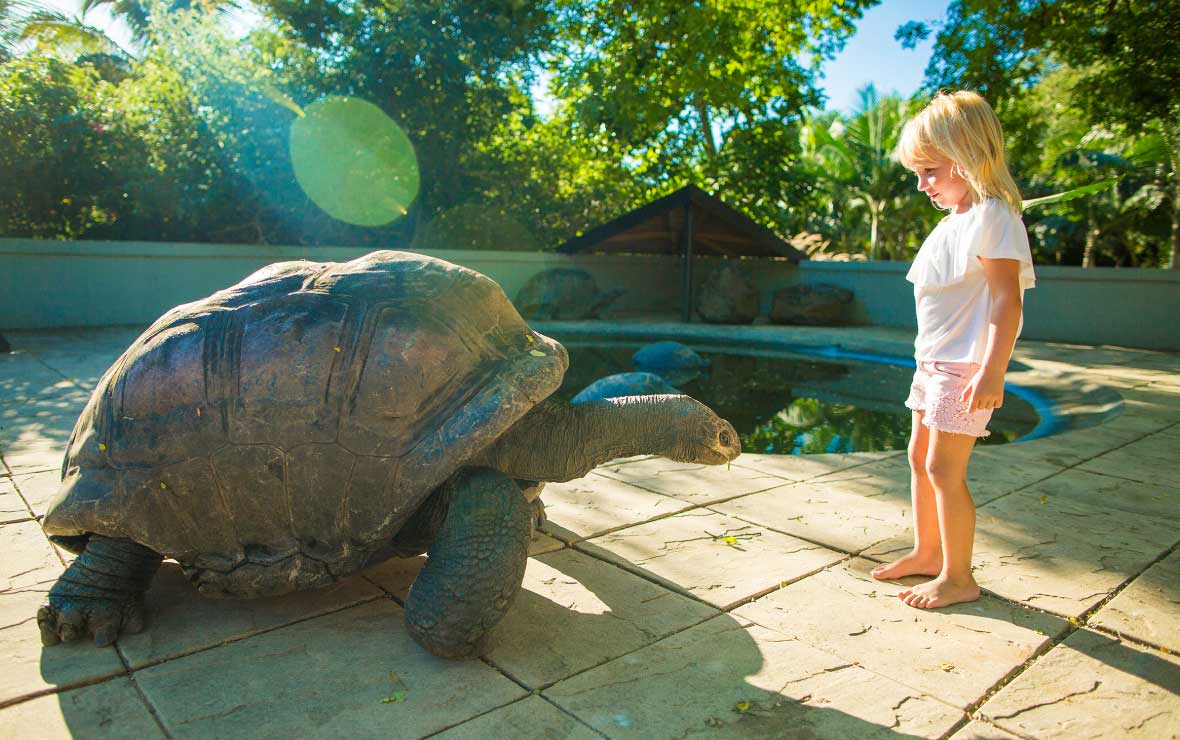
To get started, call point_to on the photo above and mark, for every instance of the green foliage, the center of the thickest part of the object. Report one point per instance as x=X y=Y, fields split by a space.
x=1078 y=84
x=189 y=139
x=52 y=119
x=873 y=207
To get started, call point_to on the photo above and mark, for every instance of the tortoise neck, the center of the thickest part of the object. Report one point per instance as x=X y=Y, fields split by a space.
x=559 y=441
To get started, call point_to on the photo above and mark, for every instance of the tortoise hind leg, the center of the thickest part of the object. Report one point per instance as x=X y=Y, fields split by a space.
x=100 y=594
x=474 y=567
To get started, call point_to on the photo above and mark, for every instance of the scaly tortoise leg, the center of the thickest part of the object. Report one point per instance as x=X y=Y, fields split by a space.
x=100 y=594
x=474 y=567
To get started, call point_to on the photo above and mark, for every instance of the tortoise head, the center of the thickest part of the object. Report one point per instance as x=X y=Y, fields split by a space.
x=698 y=434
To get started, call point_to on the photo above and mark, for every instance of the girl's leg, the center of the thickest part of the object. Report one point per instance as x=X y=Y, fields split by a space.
x=946 y=467
x=926 y=557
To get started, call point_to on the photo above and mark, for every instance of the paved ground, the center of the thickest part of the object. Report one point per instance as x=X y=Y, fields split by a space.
x=667 y=600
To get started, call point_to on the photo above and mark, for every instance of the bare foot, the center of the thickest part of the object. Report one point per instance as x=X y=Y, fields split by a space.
x=941 y=591
x=914 y=564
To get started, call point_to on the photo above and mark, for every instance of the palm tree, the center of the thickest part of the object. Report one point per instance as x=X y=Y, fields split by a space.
x=854 y=159
x=137 y=14
x=27 y=23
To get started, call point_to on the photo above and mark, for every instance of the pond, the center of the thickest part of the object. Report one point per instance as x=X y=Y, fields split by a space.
x=788 y=403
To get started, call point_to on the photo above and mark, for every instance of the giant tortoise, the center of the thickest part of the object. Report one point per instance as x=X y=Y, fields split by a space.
x=316 y=418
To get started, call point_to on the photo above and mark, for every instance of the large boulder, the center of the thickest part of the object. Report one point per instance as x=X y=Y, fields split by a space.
x=625 y=384
x=812 y=305
x=673 y=361
x=728 y=296
x=563 y=293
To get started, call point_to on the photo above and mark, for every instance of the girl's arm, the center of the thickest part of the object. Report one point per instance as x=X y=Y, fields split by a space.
x=986 y=389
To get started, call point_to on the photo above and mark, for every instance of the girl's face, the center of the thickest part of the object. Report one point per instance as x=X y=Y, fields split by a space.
x=941 y=181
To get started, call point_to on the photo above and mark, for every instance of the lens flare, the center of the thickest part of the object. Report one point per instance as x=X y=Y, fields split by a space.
x=353 y=161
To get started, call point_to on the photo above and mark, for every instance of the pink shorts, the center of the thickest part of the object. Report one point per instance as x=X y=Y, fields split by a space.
x=936 y=390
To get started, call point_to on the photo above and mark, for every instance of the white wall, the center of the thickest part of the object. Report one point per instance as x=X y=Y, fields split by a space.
x=47 y=284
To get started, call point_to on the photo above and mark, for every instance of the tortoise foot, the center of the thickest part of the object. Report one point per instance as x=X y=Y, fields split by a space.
x=66 y=619
x=474 y=567
x=100 y=594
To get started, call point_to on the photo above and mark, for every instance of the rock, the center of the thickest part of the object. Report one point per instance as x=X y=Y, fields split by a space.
x=625 y=384
x=672 y=361
x=816 y=305
x=563 y=293
x=728 y=296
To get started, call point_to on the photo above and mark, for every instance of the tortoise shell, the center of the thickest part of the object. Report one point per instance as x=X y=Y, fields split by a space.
x=276 y=435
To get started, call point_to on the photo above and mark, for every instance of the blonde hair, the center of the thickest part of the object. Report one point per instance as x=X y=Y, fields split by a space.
x=962 y=127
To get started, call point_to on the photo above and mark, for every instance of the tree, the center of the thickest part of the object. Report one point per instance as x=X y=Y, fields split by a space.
x=854 y=160
x=1123 y=51
x=703 y=92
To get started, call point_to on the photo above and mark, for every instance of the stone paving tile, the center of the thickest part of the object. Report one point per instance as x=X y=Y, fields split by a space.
x=181 y=621
x=396 y=575
x=849 y=515
x=353 y=673
x=717 y=559
x=978 y=730
x=696 y=484
x=955 y=654
x=112 y=709
x=39 y=489
x=805 y=467
x=1149 y=608
x=1055 y=553
x=36 y=421
x=532 y=718
x=23 y=377
x=1152 y=459
x=1065 y=449
x=597 y=504
x=35 y=460
x=992 y=473
x=730 y=678
x=1109 y=492
x=1092 y=686
x=28 y=569
x=575 y=612
x=12 y=506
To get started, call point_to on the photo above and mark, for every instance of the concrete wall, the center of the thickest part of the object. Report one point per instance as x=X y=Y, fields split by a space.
x=47 y=284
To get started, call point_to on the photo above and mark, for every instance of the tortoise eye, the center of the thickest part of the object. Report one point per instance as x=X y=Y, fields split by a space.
x=725 y=440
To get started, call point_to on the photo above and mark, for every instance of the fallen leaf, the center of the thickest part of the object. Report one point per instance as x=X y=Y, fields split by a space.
x=102 y=447
x=741 y=706
x=335 y=349
x=948 y=667
x=1044 y=499
x=536 y=353
x=163 y=485
x=729 y=539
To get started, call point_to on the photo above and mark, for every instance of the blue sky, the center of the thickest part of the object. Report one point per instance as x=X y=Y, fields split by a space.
x=871 y=55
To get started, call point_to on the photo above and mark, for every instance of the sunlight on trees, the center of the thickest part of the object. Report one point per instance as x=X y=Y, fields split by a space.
x=188 y=135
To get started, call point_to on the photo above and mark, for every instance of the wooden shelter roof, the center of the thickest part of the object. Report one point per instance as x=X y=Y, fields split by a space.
x=658 y=228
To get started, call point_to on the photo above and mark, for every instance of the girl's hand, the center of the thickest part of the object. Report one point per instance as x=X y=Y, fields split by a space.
x=984 y=391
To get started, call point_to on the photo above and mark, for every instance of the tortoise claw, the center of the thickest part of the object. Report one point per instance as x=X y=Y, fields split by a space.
x=68 y=620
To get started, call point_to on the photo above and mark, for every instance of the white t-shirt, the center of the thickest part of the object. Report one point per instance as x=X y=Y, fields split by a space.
x=950 y=288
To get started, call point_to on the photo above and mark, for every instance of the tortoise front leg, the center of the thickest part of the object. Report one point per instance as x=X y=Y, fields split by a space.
x=474 y=567
x=100 y=594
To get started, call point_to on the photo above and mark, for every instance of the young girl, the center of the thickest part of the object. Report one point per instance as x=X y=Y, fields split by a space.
x=969 y=280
